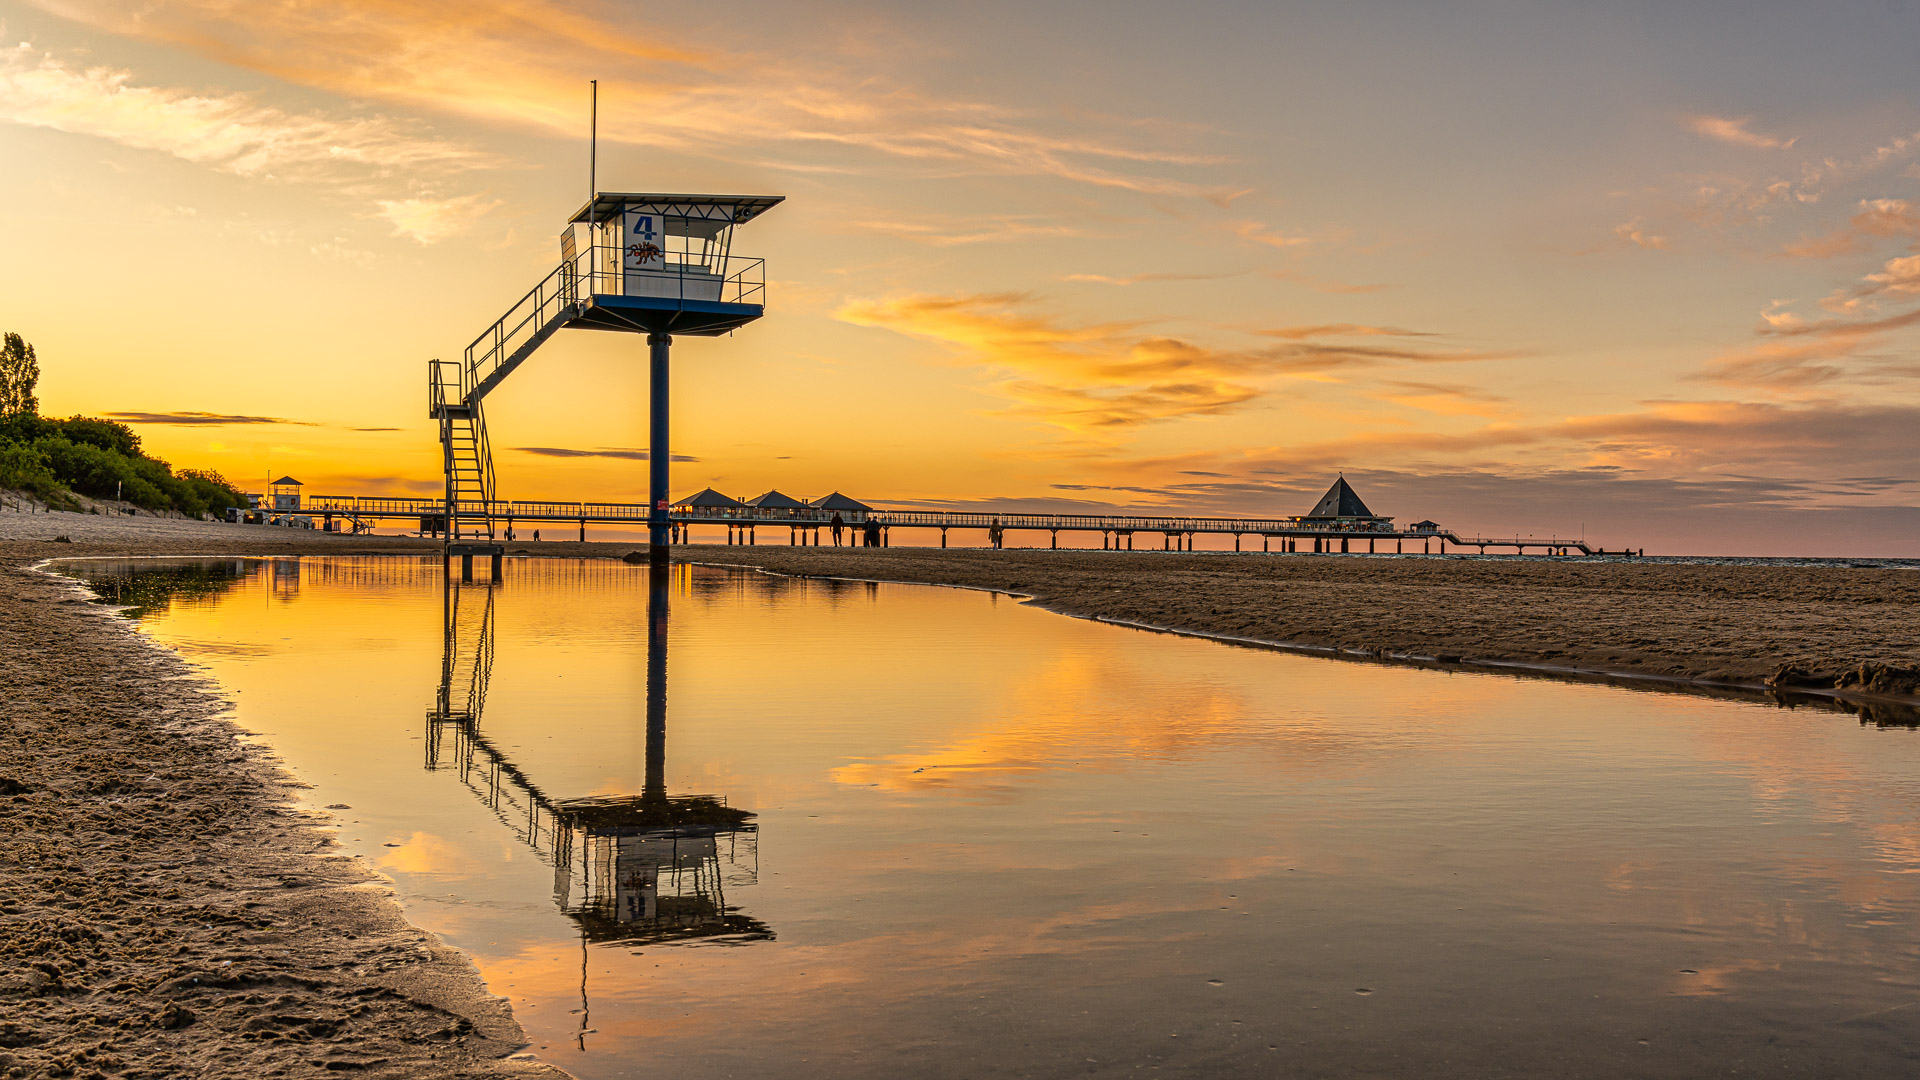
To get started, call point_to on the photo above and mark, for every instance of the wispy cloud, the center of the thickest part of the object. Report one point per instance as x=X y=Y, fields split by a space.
x=1811 y=442
x=954 y=232
x=431 y=220
x=235 y=133
x=1719 y=453
x=1719 y=203
x=1301 y=333
x=198 y=419
x=1318 y=349
x=619 y=453
x=1321 y=284
x=1735 y=131
x=1085 y=378
x=1143 y=278
x=231 y=132
x=1797 y=355
x=1635 y=233
x=1113 y=376
x=1875 y=218
x=783 y=111
x=1446 y=399
x=1261 y=233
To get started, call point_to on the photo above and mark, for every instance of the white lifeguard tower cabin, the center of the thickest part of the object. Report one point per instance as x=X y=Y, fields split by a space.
x=639 y=247
x=638 y=263
x=284 y=493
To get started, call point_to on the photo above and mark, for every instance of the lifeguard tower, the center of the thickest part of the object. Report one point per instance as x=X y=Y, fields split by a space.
x=651 y=264
x=284 y=493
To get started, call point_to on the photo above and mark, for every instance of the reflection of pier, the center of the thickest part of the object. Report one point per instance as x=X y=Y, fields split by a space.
x=627 y=868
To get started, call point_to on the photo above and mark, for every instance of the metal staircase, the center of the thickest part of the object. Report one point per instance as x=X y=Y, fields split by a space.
x=455 y=390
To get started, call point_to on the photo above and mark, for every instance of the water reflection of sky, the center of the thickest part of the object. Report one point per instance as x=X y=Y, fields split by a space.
x=988 y=839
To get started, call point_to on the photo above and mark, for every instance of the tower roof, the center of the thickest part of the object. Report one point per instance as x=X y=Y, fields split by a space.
x=286 y=481
x=734 y=209
x=1340 y=501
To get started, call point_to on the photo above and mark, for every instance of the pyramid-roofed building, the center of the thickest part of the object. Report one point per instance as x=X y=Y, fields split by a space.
x=708 y=499
x=1341 y=501
x=286 y=481
x=837 y=501
x=774 y=500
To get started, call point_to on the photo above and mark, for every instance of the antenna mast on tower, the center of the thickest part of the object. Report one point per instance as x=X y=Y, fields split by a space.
x=593 y=141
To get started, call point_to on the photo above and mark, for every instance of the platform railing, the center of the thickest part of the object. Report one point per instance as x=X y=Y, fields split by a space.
x=673 y=275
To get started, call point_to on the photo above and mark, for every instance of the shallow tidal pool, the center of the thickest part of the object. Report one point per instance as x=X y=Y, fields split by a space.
x=727 y=824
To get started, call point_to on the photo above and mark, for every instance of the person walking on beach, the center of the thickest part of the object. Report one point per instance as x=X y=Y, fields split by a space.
x=873 y=533
x=838 y=523
x=994 y=533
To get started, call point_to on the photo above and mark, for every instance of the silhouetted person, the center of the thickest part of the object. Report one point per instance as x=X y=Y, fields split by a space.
x=838 y=523
x=995 y=532
x=536 y=536
x=873 y=533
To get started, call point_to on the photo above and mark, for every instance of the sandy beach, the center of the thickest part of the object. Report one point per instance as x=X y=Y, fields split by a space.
x=1852 y=634
x=167 y=912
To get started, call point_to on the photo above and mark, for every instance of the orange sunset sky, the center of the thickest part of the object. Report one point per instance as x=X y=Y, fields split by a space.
x=1647 y=271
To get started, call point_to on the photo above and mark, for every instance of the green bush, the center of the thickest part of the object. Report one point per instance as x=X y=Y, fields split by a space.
x=100 y=458
x=104 y=434
x=211 y=489
x=24 y=468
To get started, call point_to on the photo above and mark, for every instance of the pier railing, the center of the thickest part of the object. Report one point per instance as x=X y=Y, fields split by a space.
x=814 y=517
x=429 y=511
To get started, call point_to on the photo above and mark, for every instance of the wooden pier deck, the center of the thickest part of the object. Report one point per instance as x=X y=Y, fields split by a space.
x=804 y=525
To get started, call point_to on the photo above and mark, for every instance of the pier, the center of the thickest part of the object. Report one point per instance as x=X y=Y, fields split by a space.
x=804 y=525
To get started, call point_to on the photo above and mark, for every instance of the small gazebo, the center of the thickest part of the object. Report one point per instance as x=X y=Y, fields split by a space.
x=709 y=499
x=776 y=500
x=840 y=504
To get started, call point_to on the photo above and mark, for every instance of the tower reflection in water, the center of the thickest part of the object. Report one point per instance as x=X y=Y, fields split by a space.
x=628 y=869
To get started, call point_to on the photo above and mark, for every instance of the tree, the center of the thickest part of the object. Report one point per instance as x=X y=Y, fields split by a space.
x=104 y=434
x=19 y=374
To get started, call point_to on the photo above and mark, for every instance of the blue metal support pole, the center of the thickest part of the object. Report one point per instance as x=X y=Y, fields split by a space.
x=659 y=454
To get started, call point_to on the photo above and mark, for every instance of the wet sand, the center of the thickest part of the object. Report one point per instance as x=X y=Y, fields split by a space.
x=1840 y=631
x=164 y=911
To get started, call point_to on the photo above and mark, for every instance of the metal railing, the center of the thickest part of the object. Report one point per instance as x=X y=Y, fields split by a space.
x=522 y=323
x=598 y=270
x=604 y=270
x=814 y=516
